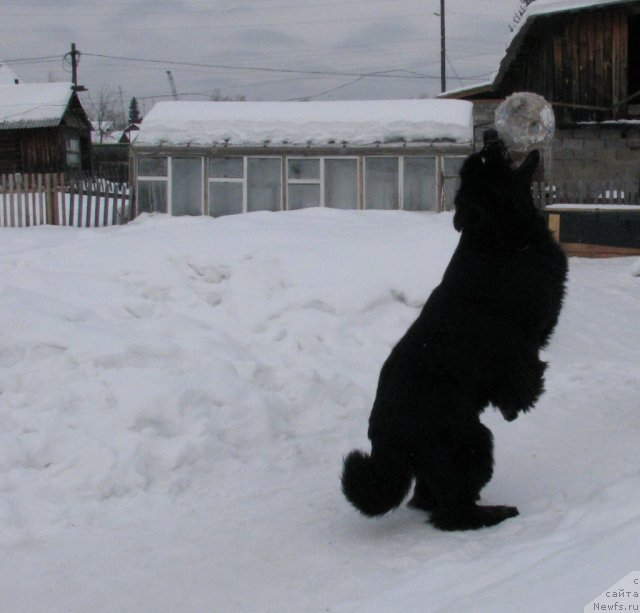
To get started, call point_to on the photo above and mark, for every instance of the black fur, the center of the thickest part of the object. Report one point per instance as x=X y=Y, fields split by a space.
x=475 y=342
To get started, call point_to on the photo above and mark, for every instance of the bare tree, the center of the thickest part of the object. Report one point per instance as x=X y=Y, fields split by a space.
x=217 y=96
x=104 y=111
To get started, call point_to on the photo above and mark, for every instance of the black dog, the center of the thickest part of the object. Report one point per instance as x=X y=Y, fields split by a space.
x=475 y=342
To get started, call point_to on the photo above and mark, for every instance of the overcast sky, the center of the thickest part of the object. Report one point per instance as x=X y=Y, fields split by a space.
x=262 y=49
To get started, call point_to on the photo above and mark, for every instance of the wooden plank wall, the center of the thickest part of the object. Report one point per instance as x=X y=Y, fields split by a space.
x=9 y=151
x=576 y=59
x=41 y=149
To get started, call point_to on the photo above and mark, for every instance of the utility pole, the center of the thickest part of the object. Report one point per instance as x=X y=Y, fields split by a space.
x=75 y=60
x=443 y=50
x=172 y=85
x=124 y=117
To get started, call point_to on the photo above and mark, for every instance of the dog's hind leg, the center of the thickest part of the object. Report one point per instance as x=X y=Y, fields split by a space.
x=422 y=498
x=463 y=466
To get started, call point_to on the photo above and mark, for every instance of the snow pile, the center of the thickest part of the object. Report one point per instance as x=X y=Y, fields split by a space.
x=176 y=396
x=353 y=122
x=525 y=121
x=41 y=104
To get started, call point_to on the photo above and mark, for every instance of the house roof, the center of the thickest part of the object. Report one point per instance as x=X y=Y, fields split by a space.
x=351 y=122
x=477 y=89
x=543 y=8
x=33 y=105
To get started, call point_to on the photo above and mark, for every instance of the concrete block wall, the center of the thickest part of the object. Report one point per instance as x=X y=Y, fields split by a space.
x=597 y=152
x=584 y=152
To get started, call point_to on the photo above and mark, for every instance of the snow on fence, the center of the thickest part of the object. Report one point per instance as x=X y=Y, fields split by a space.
x=585 y=192
x=34 y=199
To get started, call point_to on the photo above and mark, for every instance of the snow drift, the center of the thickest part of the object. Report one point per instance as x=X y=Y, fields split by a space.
x=176 y=396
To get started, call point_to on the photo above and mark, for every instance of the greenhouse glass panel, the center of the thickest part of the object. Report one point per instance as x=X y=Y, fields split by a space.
x=225 y=198
x=186 y=186
x=341 y=184
x=152 y=167
x=226 y=168
x=152 y=196
x=304 y=169
x=419 y=185
x=452 y=166
x=381 y=183
x=302 y=196
x=264 y=184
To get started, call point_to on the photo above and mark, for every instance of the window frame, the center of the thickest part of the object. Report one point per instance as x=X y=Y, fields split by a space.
x=311 y=182
x=153 y=178
x=226 y=180
x=282 y=160
x=321 y=180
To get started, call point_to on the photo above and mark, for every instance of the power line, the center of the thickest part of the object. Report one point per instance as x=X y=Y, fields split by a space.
x=33 y=60
x=178 y=6
x=334 y=73
x=259 y=24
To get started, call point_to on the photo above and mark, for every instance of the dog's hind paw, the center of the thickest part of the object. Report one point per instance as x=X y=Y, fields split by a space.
x=471 y=517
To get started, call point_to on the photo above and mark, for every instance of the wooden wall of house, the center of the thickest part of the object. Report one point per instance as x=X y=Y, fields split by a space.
x=42 y=150
x=9 y=152
x=576 y=60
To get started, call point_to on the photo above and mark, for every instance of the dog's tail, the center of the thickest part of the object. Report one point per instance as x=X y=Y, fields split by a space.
x=374 y=484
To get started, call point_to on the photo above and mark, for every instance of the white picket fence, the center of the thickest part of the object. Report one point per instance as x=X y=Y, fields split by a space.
x=83 y=202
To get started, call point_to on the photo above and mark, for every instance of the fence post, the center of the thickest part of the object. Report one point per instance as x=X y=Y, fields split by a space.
x=50 y=200
x=27 y=198
x=86 y=199
x=3 y=200
x=61 y=199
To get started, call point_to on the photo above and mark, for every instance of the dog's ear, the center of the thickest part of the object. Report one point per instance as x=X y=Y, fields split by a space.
x=528 y=167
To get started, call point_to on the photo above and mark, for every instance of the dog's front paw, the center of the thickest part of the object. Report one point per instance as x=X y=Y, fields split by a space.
x=509 y=414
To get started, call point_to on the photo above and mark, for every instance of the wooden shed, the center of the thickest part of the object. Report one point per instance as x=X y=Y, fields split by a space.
x=43 y=128
x=219 y=158
x=584 y=57
x=581 y=55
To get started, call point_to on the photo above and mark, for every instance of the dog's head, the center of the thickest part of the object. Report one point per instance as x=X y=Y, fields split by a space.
x=490 y=185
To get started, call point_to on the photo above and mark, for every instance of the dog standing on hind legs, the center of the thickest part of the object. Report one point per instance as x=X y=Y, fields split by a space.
x=475 y=342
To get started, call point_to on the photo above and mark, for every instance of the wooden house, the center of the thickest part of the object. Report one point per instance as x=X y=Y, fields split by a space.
x=583 y=56
x=219 y=158
x=43 y=128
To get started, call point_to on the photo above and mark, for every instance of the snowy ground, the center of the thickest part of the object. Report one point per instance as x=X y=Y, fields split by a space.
x=176 y=396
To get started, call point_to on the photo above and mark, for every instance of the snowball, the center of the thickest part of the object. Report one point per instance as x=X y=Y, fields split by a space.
x=525 y=121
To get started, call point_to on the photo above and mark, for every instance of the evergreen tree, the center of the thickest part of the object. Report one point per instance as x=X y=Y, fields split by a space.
x=134 y=112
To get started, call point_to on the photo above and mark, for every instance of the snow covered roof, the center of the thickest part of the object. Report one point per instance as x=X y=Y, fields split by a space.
x=544 y=7
x=351 y=122
x=468 y=90
x=33 y=105
x=7 y=76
